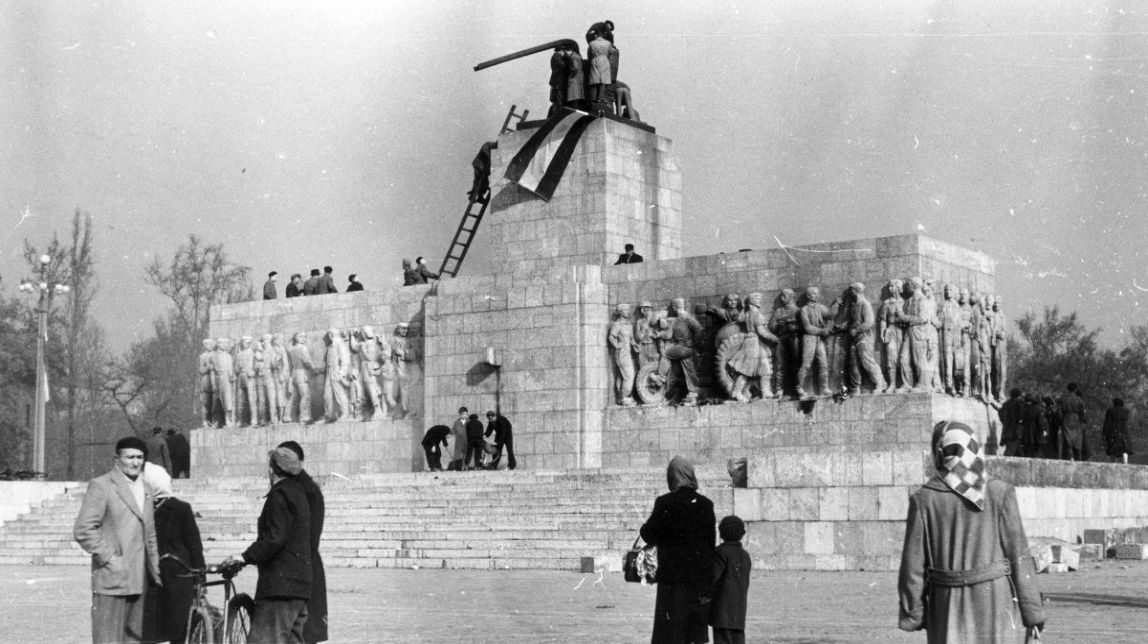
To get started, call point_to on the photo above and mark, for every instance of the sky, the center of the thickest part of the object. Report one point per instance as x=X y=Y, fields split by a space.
x=300 y=134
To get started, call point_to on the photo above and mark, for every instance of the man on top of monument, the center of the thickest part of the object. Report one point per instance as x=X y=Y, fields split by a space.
x=559 y=78
x=629 y=257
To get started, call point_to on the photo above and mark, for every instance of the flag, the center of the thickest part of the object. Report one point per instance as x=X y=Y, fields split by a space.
x=539 y=165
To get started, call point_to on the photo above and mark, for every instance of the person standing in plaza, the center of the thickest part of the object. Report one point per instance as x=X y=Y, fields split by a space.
x=295 y=286
x=503 y=431
x=282 y=552
x=180 y=451
x=682 y=527
x=315 y=630
x=966 y=571
x=731 y=583
x=166 y=607
x=116 y=525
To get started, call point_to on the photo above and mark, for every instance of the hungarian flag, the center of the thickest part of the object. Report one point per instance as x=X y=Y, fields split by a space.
x=539 y=165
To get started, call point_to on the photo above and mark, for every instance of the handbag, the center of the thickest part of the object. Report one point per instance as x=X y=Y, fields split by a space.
x=640 y=564
x=1032 y=635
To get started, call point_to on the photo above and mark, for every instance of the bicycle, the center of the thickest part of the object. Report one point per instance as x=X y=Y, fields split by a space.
x=206 y=624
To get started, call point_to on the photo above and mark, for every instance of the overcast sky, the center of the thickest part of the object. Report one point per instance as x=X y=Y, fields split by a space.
x=309 y=133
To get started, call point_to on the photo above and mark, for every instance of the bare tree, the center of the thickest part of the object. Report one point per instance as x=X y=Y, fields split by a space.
x=198 y=277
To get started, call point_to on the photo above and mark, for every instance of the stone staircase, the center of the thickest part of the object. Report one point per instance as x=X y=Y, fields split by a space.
x=477 y=520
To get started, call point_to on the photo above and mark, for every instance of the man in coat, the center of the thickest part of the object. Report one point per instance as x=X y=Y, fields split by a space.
x=1117 y=441
x=458 y=432
x=1012 y=419
x=295 y=286
x=315 y=630
x=503 y=437
x=1073 y=417
x=311 y=286
x=116 y=525
x=434 y=437
x=282 y=552
x=629 y=257
x=326 y=283
x=180 y=451
x=269 y=292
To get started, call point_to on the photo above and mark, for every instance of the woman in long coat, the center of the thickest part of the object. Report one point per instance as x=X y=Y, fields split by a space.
x=1115 y=431
x=165 y=608
x=965 y=552
x=682 y=527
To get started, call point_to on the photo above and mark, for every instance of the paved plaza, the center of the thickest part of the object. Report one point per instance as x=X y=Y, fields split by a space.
x=1106 y=602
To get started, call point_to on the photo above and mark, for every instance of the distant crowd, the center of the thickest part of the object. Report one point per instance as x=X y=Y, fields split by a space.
x=322 y=283
x=1037 y=426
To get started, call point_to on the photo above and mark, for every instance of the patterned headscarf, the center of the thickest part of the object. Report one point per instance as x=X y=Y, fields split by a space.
x=960 y=460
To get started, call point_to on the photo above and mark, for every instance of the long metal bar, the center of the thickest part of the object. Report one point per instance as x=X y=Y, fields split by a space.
x=525 y=52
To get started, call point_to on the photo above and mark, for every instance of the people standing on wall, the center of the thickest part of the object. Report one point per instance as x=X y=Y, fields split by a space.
x=1073 y=418
x=295 y=286
x=503 y=431
x=355 y=285
x=315 y=630
x=269 y=292
x=1011 y=414
x=629 y=257
x=1117 y=441
x=176 y=532
x=434 y=437
x=311 y=286
x=1034 y=427
x=326 y=283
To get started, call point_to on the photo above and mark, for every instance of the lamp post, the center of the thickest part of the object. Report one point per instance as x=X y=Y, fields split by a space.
x=46 y=291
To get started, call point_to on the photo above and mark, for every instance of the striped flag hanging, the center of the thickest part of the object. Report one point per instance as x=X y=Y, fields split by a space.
x=539 y=165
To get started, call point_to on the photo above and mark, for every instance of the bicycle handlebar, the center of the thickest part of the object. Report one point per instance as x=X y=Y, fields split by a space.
x=227 y=569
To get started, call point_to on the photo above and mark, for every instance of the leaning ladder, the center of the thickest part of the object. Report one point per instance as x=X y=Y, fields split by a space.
x=475 y=209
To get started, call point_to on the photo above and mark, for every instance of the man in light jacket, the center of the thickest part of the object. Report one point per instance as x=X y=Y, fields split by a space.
x=116 y=526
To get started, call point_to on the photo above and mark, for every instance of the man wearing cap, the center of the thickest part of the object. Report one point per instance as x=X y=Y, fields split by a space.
x=503 y=437
x=629 y=257
x=282 y=553
x=311 y=286
x=116 y=525
x=425 y=273
x=269 y=287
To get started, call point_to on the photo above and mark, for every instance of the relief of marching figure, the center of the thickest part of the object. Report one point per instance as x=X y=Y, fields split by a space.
x=918 y=339
x=260 y=382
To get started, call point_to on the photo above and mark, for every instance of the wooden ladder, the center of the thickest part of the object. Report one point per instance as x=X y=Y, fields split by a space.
x=472 y=216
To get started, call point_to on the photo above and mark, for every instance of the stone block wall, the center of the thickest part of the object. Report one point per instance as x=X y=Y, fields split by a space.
x=622 y=185
x=548 y=336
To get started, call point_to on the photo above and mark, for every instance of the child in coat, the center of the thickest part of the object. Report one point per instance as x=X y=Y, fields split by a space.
x=731 y=584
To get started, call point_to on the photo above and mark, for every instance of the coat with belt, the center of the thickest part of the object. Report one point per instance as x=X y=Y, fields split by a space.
x=119 y=535
x=943 y=532
x=282 y=551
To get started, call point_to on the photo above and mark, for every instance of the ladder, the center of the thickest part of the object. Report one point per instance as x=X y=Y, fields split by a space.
x=475 y=209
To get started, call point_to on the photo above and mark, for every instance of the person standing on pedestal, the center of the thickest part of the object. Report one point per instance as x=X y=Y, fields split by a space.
x=1073 y=417
x=355 y=285
x=311 y=286
x=629 y=257
x=326 y=283
x=559 y=79
x=475 y=445
x=269 y=291
x=1117 y=441
x=295 y=286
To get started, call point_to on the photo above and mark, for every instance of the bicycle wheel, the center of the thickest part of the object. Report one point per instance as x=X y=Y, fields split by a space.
x=200 y=629
x=239 y=618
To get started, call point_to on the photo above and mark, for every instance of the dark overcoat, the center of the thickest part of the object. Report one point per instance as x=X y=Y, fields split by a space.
x=1117 y=442
x=282 y=551
x=945 y=532
x=731 y=586
x=315 y=630
x=165 y=611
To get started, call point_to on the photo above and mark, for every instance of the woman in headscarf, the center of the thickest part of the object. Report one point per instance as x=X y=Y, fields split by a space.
x=682 y=527
x=165 y=610
x=966 y=555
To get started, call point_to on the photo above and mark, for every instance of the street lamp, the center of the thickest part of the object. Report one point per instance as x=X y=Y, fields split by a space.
x=46 y=292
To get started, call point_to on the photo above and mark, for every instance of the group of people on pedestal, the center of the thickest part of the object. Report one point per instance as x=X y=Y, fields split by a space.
x=316 y=284
x=263 y=382
x=1038 y=426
